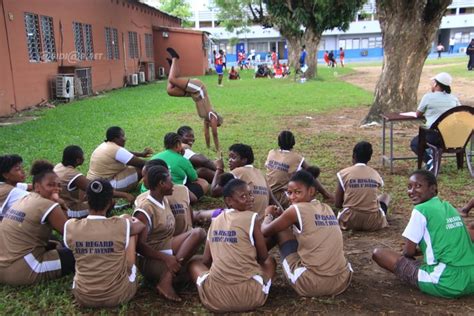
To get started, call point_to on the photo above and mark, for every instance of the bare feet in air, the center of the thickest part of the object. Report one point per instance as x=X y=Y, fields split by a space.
x=165 y=288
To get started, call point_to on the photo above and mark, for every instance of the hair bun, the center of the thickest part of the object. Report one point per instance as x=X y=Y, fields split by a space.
x=96 y=186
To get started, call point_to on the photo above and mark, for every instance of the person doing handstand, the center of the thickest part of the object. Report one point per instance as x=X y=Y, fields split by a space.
x=194 y=88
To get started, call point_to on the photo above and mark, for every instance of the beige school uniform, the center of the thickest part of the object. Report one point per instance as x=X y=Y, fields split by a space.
x=319 y=266
x=10 y=194
x=103 y=277
x=281 y=164
x=258 y=186
x=24 y=235
x=361 y=208
x=104 y=164
x=235 y=281
x=181 y=208
x=198 y=92
x=72 y=196
x=160 y=224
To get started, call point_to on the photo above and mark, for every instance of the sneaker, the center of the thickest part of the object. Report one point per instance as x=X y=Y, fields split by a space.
x=169 y=61
x=172 y=52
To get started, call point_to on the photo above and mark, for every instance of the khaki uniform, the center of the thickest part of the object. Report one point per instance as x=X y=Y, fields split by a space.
x=235 y=281
x=5 y=190
x=198 y=92
x=281 y=164
x=74 y=198
x=8 y=195
x=258 y=186
x=361 y=208
x=103 y=277
x=181 y=208
x=104 y=165
x=24 y=235
x=319 y=266
x=161 y=224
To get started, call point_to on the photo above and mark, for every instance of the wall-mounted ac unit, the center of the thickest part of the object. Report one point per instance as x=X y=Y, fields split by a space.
x=133 y=80
x=141 y=77
x=150 y=71
x=65 y=86
x=161 y=72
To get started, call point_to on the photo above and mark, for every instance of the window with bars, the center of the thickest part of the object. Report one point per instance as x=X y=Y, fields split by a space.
x=133 y=44
x=83 y=41
x=89 y=44
x=149 y=45
x=40 y=38
x=111 y=43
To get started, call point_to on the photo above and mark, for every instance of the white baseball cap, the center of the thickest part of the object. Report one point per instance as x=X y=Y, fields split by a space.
x=443 y=78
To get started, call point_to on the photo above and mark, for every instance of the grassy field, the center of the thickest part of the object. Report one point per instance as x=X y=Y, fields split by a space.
x=254 y=112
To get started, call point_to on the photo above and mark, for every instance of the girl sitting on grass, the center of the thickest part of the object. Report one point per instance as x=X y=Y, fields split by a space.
x=435 y=226
x=104 y=249
x=12 y=187
x=27 y=256
x=310 y=241
x=171 y=251
x=235 y=272
x=74 y=184
x=282 y=163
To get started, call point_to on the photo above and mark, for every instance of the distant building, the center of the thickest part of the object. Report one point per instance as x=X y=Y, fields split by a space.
x=362 y=39
x=99 y=43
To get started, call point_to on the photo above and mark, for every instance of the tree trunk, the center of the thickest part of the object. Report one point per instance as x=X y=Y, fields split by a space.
x=408 y=30
x=311 y=40
x=294 y=46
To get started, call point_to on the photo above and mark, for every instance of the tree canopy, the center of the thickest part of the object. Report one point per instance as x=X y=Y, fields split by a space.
x=178 y=8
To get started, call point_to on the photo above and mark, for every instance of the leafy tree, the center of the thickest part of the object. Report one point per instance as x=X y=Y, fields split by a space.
x=300 y=22
x=178 y=8
x=408 y=30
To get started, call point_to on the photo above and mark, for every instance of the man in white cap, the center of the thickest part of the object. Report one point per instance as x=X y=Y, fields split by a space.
x=431 y=106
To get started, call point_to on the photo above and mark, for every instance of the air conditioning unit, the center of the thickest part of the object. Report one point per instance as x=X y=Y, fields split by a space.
x=65 y=86
x=133 y=80
x=161 y=72
x=141 y=77
x=150 y=72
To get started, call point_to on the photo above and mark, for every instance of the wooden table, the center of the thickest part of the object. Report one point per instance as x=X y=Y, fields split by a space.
x=393 y=118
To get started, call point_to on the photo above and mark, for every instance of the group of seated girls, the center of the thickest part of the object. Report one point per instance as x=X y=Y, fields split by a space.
x=261 y=211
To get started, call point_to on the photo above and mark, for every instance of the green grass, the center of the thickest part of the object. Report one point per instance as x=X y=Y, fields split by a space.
x=254 y=111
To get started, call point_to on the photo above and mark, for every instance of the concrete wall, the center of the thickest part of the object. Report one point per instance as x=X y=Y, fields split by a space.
x=188 y=44
x=31 y=81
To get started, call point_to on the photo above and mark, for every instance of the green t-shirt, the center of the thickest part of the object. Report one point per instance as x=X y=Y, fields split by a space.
x=448 y=252
x=181 y=169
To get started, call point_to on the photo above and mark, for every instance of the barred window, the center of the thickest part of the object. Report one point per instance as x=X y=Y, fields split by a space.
x=78 y=40
x=83 y=41
x=133 y=45
x=149 y=45
x=33 y=37
x=108 y=43
x=89 y=45
x=49 y=47
x=115 y=44
x=40 y=38
x=111 y=43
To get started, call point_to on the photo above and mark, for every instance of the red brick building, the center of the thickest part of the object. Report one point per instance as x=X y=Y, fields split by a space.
x=101 y=42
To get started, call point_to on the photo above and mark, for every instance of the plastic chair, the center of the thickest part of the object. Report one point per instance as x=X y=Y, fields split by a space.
x=454 y=127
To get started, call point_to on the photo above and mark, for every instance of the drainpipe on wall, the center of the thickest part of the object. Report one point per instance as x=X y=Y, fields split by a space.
x=10 y=59
x=124 y=57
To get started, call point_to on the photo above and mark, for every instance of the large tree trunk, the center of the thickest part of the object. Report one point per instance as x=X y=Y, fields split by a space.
x=408 y=30
x=294 y=47
x=311 y=40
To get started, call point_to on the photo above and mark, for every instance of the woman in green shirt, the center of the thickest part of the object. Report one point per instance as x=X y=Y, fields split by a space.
x=182 y=171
